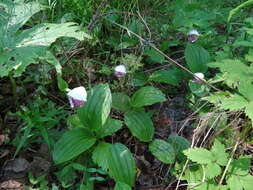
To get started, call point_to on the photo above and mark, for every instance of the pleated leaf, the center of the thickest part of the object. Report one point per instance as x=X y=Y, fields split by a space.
x=121 y=102
x=196 y=58
x=147 y=95
x=100 y=155
x=97 y=109
x=121 y=164
x=71 y=144
x=122 y=186
x=140 y=125
x=111 y=126
x=163 y=151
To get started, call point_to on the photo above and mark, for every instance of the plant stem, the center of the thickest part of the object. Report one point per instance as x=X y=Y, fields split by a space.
x=228 y=164
x=14 y=88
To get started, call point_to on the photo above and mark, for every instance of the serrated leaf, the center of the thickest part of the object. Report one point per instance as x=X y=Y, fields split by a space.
x=121 y=164
x=233 y=103
x=247 y=182
x=97 y=109
x=147 y=95
x=172 y=76
x=111 y=126
x=236 y=71
x=219 y=153
x=163 y=151
x=29 y=46
x=71 y=144
x=246 y=89
x=19 y=13
x=121 y=102
x=196 y=58
x=100 y=155
x=240 y=166
x=234 y=183
x=212 y=170
x=122 y=186
x=46 y=34
x=140 y=125
x=199 y=155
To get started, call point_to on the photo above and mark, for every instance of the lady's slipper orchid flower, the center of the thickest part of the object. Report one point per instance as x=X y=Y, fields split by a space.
x=77 y=96
x=197 y=77
x=193 y=35
x=120 y=71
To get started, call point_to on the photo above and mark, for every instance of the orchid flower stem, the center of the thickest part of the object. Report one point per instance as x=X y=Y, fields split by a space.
x=14 y=88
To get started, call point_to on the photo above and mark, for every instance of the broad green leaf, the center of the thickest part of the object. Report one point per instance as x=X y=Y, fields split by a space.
x=46 y=34
x=219 y=153
x=233 y=103
x=199 y=155
x=246 y=89
x=163 y=151
x=224 y=100
x=100 y=155
x=234 y=183
x=111 y=126
x=172 y=76
x=236 y=71
x=247 y=182
x=19 y=13
x=97 y=109
x=139 y=79
x=121 y=164
x=122 y=186
x=147 y=95
x=196 y=58
x=249 y=111
x=121 y=102
x=179 y=144
x=212 y=170
x=71 y=144
x=22 y=48
x=154 y=56
x=240 y=166
x=140 y=125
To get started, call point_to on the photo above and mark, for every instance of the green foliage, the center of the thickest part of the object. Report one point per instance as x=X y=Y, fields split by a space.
x=172 y=76
x=121 y=102
x=196 y=58
x=238 y=8
x=163 y=151
x=122 y=186
x=237 y=75
x=209 y=166
x=147 y=95
x=39 y=119
x=179 y=144
x=71 y=144
x=140 y=125
x=97 y=109
x=121 y=164
x=22 y=48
